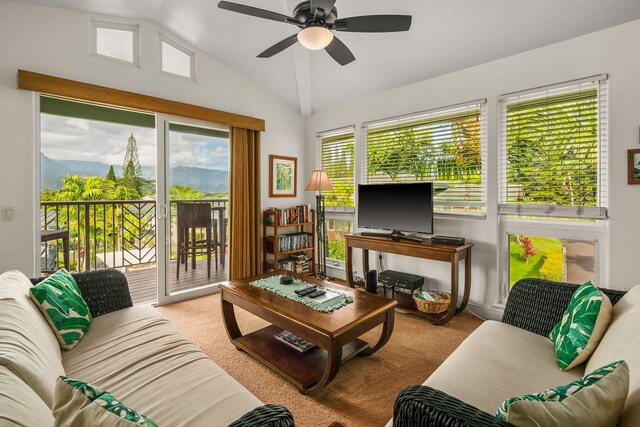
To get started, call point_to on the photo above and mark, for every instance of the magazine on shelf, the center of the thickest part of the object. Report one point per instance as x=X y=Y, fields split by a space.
x=294 y=341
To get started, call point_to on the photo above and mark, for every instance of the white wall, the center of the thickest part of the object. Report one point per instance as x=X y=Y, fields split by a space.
x=615 y=51
x=57 y=42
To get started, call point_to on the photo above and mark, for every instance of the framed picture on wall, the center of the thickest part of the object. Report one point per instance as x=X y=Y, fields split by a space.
x=633 y=166
x=283 y=176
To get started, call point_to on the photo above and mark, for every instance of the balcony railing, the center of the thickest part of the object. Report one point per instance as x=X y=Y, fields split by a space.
x=109 y=233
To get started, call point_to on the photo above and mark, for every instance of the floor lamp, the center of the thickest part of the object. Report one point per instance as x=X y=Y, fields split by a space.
x=320 y=182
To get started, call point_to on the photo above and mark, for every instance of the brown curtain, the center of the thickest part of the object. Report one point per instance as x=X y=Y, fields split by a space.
x=244 y=216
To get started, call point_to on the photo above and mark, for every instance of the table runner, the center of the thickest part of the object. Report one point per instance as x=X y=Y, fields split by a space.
x=272 y=284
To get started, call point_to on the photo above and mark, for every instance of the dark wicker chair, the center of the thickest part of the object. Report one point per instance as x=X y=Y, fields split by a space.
x=103 y=290
x=107 y=290
x=535 y=305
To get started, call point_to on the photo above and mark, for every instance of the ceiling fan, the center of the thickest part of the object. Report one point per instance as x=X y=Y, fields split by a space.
x=317 y=19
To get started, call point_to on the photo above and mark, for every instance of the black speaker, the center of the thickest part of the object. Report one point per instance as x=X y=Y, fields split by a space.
x=372 y=281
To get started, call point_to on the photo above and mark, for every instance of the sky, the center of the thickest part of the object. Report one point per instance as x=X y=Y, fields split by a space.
x=66 y=138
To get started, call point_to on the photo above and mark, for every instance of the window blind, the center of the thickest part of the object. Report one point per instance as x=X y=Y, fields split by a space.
x=337 y=159
x=446 y=146
x=553 y=151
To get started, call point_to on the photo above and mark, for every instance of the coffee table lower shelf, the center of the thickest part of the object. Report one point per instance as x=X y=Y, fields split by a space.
x=302 y=369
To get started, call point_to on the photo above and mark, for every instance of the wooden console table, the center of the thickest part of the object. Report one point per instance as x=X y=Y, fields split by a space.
x=452 y=254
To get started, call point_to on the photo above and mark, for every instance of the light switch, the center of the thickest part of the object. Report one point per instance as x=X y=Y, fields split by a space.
x=8 y=214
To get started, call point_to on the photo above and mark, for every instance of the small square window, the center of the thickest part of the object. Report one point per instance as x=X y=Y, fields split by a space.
x=115 y=41
x=176 y=59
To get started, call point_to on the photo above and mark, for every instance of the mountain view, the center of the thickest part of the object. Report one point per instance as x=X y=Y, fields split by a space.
x=202 y=179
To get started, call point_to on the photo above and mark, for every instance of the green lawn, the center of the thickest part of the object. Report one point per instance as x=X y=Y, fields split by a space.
x=518 y=268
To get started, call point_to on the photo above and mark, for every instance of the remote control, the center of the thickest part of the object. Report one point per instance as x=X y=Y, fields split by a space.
x=297 y=291
x=305 y=291
x=317 y=293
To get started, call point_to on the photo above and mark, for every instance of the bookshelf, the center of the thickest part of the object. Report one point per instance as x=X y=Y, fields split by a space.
x=288 y=240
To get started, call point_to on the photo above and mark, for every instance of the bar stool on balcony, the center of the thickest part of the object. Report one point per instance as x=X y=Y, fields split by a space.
x=192 y=217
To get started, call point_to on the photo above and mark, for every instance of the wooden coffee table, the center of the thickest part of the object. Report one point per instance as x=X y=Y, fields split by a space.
x=335 y=334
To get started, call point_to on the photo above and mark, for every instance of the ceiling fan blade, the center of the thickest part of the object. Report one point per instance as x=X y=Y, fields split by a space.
x=325 y=5
x=340 y=52
x=279 y=47
x=254 y=11
x=373 y=23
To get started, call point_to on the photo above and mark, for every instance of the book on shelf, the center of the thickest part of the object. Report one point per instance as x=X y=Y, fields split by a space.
x=297 y=265
x=290 y=216
x=289 y=242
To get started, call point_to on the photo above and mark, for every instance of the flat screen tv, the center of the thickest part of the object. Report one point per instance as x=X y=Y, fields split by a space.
x=406 y=207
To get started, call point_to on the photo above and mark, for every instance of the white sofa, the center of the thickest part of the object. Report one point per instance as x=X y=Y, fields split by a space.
x=504 y=359
x=133 y=352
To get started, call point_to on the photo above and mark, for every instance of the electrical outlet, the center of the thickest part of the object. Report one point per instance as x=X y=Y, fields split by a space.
x=8 y=214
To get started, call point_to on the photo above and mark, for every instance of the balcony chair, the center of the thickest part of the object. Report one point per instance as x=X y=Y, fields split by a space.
x=192 y=217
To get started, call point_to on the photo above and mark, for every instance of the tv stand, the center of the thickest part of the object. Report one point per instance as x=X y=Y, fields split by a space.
x=425 y=249
x=394 y=235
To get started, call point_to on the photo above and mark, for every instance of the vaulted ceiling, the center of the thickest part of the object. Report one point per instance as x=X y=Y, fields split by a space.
x=445 y=36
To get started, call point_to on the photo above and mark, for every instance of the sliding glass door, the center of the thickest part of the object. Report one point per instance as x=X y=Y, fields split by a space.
x=194 y=206
x=98 y=192
x=142 y=193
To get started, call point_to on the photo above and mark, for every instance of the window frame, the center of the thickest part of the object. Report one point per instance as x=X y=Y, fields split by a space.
x=343 y=213
x=550 y=221
x=328 y=134
x=181 y=47
x=120 y=26
x=600 y=83
x=481 y=105
x=595 y=231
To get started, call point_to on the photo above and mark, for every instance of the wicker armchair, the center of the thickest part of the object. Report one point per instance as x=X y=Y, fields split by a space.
x=265 y=416
x=103 y=290
x=535 y=305
x=107 y=290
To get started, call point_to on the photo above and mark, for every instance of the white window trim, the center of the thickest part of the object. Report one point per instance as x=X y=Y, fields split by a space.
x=361 y=148
x=346 y=213
x=512 y=218
x=182 y=47
x=113 y=25
x=557 y=211
x=329 y=133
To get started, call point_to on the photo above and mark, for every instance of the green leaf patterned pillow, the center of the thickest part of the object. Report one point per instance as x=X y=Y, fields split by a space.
x=59 y=300
x=81 y=403
x=594 y=400
x=582 y=326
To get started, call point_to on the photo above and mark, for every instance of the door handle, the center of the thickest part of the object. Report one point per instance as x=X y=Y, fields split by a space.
x=162 y=211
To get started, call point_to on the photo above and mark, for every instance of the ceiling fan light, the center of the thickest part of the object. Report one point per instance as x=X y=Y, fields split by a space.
x=315 y=38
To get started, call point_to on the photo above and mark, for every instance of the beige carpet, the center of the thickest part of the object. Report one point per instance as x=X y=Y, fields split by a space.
x=363 y=392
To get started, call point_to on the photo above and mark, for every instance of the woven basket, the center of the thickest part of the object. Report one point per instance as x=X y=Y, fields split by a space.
x=433 y=306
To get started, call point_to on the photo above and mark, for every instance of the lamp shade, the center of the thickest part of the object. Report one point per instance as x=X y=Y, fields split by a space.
x=319 y=182
x=315 y=38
